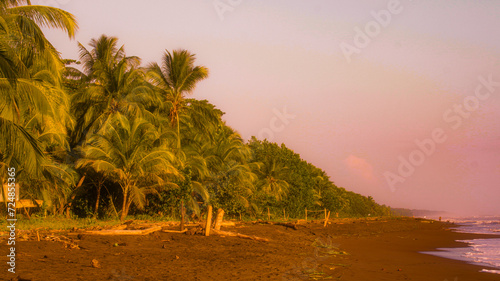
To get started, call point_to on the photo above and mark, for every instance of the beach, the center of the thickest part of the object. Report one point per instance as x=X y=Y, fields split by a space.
x=346 y=249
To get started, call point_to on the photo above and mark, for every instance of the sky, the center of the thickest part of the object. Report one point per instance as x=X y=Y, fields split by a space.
x=398 y=100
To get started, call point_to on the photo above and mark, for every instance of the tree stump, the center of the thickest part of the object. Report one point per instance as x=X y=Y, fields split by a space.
x=218 y=219
x=209 y=221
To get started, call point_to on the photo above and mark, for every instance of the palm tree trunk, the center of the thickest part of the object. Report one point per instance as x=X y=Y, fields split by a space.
x=183 y=211
x=97 y=201
x=124 y=206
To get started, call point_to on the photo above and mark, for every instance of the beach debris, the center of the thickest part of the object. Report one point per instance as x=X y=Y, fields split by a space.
x=175 y=231
x=285 y=224
x=234 y=234
x=195 y=230
x=288 y=225
x=68 y=243
x=120 y=227
x=95 y=264
x=125 y=232
x=327 y=216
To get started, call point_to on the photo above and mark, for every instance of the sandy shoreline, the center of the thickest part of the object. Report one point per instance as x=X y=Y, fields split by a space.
x=395 y=254
x=375 y=249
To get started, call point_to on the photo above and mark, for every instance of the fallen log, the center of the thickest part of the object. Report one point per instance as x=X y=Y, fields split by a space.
x=285 y=224
x=175 y=231
x=120 y=227
x=234 y=234
x=227 y=223
x=125 y=232
x=289 y=225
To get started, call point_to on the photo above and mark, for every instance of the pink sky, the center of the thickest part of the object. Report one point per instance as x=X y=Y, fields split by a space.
x=353 y=119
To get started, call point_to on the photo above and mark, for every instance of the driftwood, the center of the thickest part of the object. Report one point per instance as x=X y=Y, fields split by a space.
x=120 y=227
x=126 y=232
x=175 y=231
x=289 y=225
x=227 y=223
x=300 y=221
x=234 y=234
x=326 y=218
x=285 y=224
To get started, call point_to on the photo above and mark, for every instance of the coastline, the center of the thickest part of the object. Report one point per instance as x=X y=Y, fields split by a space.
x=347 y=249
x=398 y=254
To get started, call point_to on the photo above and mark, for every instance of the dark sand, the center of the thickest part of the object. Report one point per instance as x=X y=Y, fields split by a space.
x=375 y=249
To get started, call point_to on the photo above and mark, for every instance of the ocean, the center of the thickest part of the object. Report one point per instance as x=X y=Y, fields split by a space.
x=483 y=252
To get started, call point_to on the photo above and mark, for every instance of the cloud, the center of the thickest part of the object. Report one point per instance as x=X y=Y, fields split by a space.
x=360 y=166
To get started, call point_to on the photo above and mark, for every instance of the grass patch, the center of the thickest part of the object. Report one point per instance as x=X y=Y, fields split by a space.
x=62 y=223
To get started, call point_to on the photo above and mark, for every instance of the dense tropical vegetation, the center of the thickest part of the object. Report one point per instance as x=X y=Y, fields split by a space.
x=103 y=136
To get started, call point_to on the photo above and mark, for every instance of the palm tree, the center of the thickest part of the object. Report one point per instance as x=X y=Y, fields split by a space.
x=112 y=83
x=30 y=87
x=176 y=77
x=271 y=174
x=231 y=179
x=21 y=20
x=127 y=155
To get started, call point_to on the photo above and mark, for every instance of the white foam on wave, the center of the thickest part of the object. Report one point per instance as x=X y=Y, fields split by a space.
x=484 y=251
x=481 y=226
x=490 y=271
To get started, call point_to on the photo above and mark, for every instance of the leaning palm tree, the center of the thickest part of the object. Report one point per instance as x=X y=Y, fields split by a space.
x=126 y=153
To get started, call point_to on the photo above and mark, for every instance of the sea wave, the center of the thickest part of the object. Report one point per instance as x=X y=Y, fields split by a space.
x=484 y=252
